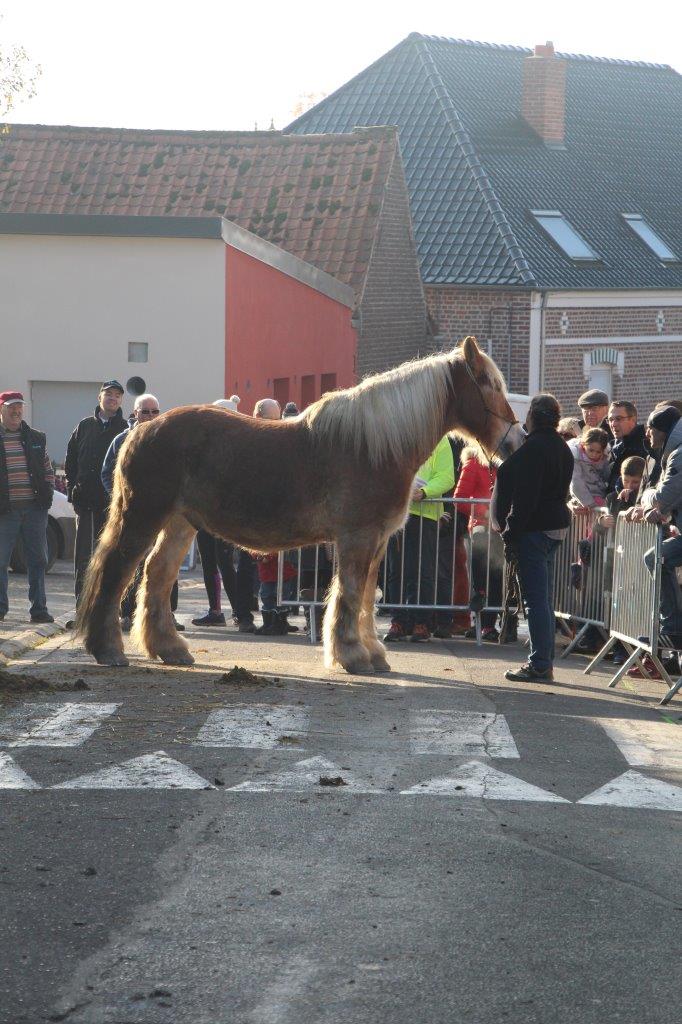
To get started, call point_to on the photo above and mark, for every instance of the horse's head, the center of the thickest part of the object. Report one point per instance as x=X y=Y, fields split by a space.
x=480 y=406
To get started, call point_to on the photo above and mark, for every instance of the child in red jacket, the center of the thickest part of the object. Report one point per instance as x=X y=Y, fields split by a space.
x=274 y=619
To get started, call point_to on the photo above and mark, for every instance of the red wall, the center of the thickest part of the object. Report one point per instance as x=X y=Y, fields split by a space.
x=278 y=328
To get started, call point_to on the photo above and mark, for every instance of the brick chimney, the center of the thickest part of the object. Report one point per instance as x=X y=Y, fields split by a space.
x=544 y=94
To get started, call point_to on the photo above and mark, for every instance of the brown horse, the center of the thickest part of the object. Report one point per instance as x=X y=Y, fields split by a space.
x=343 y=471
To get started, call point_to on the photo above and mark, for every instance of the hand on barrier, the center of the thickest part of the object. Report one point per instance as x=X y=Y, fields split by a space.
x=635 y=515
x=652 y=515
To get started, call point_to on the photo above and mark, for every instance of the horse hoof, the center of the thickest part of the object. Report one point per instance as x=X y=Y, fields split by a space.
x=112 y=659
x=380 y=664
x=359 y=667
x=177 y=658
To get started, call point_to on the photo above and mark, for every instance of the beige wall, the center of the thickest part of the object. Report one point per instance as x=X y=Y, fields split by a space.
x=70 y=305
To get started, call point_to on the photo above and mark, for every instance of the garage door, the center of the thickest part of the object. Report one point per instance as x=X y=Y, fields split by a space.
x=57 y=406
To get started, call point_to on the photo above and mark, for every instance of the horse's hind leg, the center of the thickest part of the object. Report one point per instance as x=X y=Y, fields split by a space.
x=124 y=541
x=153 y=626
x=341 y=630
x=368 y=632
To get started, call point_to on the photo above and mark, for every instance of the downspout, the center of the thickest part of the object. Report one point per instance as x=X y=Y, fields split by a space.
x=543 y=310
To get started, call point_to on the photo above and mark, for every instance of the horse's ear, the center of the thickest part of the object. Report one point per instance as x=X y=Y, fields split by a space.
x=471 y=352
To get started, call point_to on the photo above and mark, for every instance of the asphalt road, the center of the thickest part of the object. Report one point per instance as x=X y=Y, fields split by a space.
x=450 y=876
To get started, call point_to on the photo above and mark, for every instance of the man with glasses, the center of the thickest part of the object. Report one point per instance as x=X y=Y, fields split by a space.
x=85 y=453
x=145 y=410
x=629 y=438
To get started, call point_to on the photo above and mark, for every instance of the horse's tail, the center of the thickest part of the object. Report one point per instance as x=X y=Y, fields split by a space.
x=110 y=570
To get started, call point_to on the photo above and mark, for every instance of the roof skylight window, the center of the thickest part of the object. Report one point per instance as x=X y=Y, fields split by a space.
x=650 y=238
x=565 y=236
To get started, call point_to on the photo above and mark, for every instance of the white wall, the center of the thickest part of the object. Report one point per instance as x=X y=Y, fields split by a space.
x=70 y=305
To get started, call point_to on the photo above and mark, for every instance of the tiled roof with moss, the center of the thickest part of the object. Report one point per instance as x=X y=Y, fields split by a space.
x=318 y=197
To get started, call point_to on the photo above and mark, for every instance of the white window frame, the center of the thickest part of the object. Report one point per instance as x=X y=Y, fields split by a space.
x=666 y=255
x=557 y=215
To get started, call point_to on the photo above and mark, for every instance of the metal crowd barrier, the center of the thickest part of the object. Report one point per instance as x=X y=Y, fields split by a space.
x=636 y=603
x=483 y=566
x=581 y=583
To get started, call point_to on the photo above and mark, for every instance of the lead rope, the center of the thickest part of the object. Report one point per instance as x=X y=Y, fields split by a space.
x=512 y=602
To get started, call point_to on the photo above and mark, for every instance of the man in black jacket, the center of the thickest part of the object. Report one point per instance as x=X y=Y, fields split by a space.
x=85 y=454
x=629 y=439
x=531 y=512
x=26 y=489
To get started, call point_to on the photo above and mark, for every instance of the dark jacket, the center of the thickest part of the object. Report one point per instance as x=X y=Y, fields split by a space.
x=34 y=444
x=633 y=444
x=111 y=458
x=531 y=492
x=85 y=454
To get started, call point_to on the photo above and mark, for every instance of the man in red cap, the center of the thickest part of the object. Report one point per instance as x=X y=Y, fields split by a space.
x=85 y=454
x=26 y=489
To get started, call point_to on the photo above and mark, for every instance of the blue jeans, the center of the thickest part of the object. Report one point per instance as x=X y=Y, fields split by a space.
x=31 y=523
x=671 y=596
x=268 y=595
x=537 y=553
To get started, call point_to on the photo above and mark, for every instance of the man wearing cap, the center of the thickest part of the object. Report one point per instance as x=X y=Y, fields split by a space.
x=594 y=407
x=85 y=453
x=662 y=503
x=26 y=489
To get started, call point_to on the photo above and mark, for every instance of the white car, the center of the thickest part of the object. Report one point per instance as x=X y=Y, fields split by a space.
x=61 y=534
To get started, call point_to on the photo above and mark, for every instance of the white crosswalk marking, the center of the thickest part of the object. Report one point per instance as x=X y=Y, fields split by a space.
x=632 y=789
x=12 y=776
x=645 y=744
x=306 y=775
x=151 y=771
x=260 y=726
x=475 y=779
x=461 y=732
x=52 y=725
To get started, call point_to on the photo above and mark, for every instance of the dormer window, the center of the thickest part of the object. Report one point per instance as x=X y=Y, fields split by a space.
x=565 y=235
x=650 y=238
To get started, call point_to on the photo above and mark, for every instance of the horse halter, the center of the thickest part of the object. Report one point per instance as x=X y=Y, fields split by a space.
x=490 y=412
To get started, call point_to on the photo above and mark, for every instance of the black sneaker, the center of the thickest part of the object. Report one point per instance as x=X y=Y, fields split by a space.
x=178 y=625
x=246 y=627
x=42 y=617
x=527 y=674
x=211 y=618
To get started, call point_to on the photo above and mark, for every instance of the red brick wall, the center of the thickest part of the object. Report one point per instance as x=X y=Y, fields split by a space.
x=393 y=312
x=502 y=317
x=651 y=374
x=651 y=368
x=606 y=323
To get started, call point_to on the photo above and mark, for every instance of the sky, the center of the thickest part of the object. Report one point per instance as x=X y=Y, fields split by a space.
x=236 y=66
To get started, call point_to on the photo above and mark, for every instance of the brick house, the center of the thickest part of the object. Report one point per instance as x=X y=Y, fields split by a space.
x=227 y=262
x=545 y=193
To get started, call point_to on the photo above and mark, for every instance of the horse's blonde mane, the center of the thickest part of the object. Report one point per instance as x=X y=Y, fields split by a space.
x=397 y=413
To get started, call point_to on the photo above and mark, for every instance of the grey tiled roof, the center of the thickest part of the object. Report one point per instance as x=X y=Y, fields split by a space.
x=474 y=168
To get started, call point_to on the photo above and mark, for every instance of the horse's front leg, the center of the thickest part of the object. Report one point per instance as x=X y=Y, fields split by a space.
x=341 y=630
x=368 y=631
